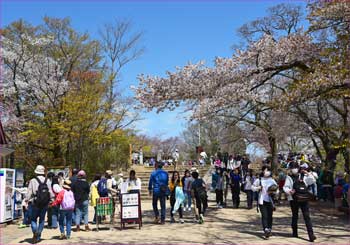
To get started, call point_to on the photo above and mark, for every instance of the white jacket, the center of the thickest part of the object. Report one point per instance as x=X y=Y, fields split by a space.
x=308 y=179
x=265 y=184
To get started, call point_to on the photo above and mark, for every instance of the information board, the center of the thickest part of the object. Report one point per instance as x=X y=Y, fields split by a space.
x=130 y=209
x=130 y=199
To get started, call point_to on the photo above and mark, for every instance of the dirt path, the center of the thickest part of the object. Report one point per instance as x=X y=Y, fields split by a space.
x=222 y=226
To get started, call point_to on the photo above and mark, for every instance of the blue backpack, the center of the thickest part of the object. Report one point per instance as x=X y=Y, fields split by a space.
x=102 y=188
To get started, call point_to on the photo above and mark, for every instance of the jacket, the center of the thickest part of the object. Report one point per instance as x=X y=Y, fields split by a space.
x=81 y=190
x=288 y=185
x=93 y=193
x=261 y=185
x=157 y=179
x=34 y=185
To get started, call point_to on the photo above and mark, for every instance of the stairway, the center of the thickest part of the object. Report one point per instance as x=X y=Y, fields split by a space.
x=144 y=172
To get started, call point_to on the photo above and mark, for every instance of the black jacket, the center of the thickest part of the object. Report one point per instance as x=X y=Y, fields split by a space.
x=81 y=190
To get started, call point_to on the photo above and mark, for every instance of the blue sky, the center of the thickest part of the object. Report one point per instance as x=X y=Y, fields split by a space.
x=175 y=32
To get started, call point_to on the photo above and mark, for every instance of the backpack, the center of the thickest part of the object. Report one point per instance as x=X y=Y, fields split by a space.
x=302 y=193
x=42 y=195
x=102 y=188
x=68 y=202
x=338 y=192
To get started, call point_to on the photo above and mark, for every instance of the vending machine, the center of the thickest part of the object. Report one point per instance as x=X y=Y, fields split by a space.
x=7 y=183
x=18 y=195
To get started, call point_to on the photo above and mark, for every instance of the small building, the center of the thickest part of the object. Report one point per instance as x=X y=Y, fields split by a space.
x=6 y=153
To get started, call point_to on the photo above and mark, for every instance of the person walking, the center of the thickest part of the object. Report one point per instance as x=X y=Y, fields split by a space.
x=81 y=190
x=159 y=190
x=175 y=182
x=265 y=201
x=235 y=179
x=53 y=211
x=219 y=186
x=225 y=184
x=298 y=192
x=38 y=197
x=186 y=182
x=66 y=202
x=199 y=197
x=248 y=182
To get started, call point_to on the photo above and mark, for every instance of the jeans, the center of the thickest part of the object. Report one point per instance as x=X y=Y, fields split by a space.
x=219 y=197
x=249 y=198
x=266 y=215
x=172 y=204
x=66 y=215
x=27 y=214
x=162 y=206
x=54 y=216
x=38 y=213
x=82 y=212
x=304 y=206
x=189 y=199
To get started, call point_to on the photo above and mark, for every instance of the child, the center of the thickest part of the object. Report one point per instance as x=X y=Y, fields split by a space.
x=247 y=182
x=65 y=199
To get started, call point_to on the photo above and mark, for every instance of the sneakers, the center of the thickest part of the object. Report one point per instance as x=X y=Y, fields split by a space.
x=185 y=209
x=201 y=219
x=189 y=209
x=63 y=236
x=182 y=221
x=78 y=228
x=267 y=233
x=87 y=228
x=162 y=222
x=172 y=220
x=21 y=226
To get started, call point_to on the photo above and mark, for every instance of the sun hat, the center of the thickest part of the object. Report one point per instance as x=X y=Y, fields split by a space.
x=40 y=169
x=66 y=184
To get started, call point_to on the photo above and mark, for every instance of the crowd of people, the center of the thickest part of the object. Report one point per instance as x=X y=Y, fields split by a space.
x=66 y=202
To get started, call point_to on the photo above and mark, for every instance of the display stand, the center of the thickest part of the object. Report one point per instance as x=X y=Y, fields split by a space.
x=104 y=206
x=130 y=209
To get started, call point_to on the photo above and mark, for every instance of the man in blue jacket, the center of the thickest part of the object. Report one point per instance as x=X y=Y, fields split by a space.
x=158 y=188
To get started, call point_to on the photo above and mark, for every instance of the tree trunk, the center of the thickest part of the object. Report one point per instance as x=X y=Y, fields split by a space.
x=346 y=155
x=273 y=150
x=331 y=157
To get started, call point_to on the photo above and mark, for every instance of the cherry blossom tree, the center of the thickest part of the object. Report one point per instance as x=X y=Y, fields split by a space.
x=273 y=72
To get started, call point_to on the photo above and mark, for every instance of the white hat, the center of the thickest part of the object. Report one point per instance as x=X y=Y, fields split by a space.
x=40 y=169
x=194 y=169
x=109 y=172
x=120 y=174
x=304 y=165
